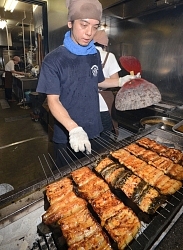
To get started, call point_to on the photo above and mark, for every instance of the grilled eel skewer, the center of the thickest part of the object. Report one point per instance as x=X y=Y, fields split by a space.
x=81 y=230
x=173 y=154
x=78 y=226
x=174 y=170
x=153 y=176
x=141 y=193
x=120 y=222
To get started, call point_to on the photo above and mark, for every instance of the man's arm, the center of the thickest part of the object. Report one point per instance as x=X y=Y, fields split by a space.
x=78 y=138
x=115 y=76
x=109 y=83
x=17 y=72
x=117 y=82
x=60 y=113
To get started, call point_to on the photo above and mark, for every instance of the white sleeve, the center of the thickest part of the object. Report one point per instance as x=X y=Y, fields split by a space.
x=111 y=66
x=9 y=66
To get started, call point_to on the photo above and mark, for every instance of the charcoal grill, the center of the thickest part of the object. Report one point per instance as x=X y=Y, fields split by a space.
x=33 y=202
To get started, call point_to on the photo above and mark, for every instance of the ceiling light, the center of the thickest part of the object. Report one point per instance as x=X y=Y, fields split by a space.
x=104 y=26
x=10 y=5
x=2 y=23
x=34 y=7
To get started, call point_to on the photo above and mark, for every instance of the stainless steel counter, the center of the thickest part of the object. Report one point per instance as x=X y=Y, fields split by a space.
x=27 y=82
x=21 y=84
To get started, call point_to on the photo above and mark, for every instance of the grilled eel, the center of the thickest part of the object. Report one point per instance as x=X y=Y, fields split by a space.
x=92 y=189
x=82 y=175
x=173 y=154
x=103 y=163
x=60 y=209
x=82 y=227
x=109 y=207
x=174 y=170
x=58 y=190
x=97 y=241
x=148 y=173
x=146 y=198
x=123 y=227
x=77 y=224
x=106 y=206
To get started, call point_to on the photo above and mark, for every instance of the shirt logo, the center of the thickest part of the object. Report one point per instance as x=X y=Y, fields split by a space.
x=94 y=70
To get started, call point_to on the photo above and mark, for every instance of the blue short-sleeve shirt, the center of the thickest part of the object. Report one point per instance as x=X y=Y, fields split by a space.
x=75 y=79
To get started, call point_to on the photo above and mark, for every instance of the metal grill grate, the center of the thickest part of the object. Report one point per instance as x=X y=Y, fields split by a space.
x=45 y=242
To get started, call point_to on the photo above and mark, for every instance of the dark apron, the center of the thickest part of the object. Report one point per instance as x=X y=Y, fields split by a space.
x=109 y=99
x=8 y=79
x=8 y=85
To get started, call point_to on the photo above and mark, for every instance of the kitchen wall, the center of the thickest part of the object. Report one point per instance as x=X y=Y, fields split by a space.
x=57 y=22
x=156 y=39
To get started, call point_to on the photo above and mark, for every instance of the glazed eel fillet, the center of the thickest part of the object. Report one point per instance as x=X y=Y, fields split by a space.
x=173 y=154
x=82 y=176
x=98 y=241
x=58 y=190
x=109 y=207
x=107 y=168
x=143 y=195
x=69 y=205
x=123 y=227
x=148 y=173
x=77 y=224
x=147 y=198
x=93 y=188
x=81 y=229
x=164 y=164
x=106 y=206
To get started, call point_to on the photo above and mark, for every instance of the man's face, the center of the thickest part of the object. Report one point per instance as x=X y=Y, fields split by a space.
x=83 y=30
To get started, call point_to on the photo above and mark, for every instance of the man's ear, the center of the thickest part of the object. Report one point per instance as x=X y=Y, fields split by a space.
x=69 y=24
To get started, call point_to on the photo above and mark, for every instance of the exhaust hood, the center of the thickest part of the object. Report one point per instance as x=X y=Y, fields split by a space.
x=164 y=2
x=133 y=8
x=3 y=38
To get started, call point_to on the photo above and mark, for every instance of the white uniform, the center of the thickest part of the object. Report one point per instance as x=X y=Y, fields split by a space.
x=9 y=66
x=111 y=67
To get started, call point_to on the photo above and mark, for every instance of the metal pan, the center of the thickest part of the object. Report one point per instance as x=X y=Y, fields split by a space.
x=168 y=123
x=178 y=128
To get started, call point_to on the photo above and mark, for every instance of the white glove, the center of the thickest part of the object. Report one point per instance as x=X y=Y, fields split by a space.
x=79 y=141
x=127 y=78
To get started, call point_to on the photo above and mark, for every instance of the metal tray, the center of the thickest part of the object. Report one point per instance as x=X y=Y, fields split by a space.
x=168 y=123
x=176 y=128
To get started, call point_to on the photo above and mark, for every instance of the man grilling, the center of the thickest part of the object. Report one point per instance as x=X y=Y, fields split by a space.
x=70 y=76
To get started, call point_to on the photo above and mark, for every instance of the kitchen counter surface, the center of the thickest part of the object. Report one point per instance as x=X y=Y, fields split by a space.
x=27 y=83
x=22 y=84
x=23 y=78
